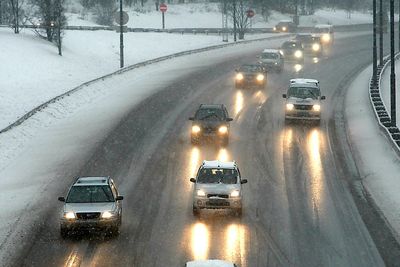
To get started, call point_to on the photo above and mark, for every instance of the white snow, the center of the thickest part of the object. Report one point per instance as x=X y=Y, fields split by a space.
x=379 y=164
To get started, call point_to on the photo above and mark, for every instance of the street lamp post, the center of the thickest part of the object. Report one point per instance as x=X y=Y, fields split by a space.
x=380 y=32
x=121 y=36
x=374 y=54
x=392 y=69
x=234 y=20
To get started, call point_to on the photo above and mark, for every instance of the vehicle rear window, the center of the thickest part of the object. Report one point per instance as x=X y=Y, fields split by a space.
x=90 y=194
x=269 y=56
x=215 y=176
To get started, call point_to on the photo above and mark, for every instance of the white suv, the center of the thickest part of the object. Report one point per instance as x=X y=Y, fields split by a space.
x=303 y=100
x=91 y=202
x=218 y=185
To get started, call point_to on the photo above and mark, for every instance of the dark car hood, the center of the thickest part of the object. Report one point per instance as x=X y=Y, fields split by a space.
x=209 y=123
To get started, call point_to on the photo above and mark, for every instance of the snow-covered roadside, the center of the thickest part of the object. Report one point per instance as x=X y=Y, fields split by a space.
x=379 y=163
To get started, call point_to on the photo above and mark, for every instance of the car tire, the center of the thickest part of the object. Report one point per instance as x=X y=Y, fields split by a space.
x=63 y=232
x=195 y=211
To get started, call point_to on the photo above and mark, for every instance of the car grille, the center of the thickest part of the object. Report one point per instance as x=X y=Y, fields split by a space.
x=209 y=129
x=218 y=195
x=217 y=202
x=303 y=107
x=88 y=215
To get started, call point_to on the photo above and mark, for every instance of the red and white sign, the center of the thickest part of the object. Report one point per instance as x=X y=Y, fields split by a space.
x=250 y=13
x=163 y=7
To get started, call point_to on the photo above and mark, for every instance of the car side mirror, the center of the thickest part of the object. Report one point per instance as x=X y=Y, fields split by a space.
x=62 y=199
x=229 y=119
x=284 y=95
x=192 y=180
x=119 y=198
x=191 y=118
x=243 y=181
x=323 y=97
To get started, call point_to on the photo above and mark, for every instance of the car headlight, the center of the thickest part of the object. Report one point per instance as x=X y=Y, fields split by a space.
x=239 y=76
x=316 y=47
x=316 y=107
x=223 y=130
x=260 y=77
x=235 y=193
x=196 y=129
x=326 y=38
x=107 y=215
x=298 y=54
x=281 y=52
x=289 y=106
x=69 y=215
x=284 y=28
x=201 y=193
x=274 y=28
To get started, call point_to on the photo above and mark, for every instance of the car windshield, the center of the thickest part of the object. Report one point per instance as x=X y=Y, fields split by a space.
x=250 y=68
x=283 y=24
x=90 y=194
x=304 y=38
x=321 y=30
x=290 y=45
x=304 y=92
x=269 y=56
x=217 y=176
x=209 y=113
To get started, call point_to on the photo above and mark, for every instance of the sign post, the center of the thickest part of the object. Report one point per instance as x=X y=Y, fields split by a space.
x=250 y=14
x=163 y=9
x=121 y=18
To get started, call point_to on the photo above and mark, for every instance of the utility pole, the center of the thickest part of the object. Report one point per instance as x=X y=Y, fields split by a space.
x=392 y=69
x=234 y=20
x=121 y=36
x=381 y=32
x=224 y=29
x=59 y=27
x=374 y=54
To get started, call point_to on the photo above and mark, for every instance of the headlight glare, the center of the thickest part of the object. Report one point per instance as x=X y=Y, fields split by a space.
x=239 y=76
x=201 y=193
x=260 y=77
x=284 y=28
x=316 y=107
x=298 y=54
x=69 y=215
x=326 y=38
x=316 y=47
x=223 y=129
x=196 y=129
x=235 y=193
x=289 y=106
x=107 y=215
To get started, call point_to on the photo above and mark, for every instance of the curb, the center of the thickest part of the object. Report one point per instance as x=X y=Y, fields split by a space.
x=129 y=68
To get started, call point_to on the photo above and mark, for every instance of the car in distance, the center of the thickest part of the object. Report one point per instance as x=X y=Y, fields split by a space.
x=211 y=121
x=210 y=263
x=218 y=185
x=292 y=51
x=91 y=202
x=311 y=44
x=250 y=75
x=285 y=26
x=326 y=33
x=271 y=59
x=303 y=100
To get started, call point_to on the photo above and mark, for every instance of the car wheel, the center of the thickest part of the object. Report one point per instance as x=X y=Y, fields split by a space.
x=63 y=232
x=196 y=211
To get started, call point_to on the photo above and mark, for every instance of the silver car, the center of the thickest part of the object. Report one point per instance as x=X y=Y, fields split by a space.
x=92 y=202
x=218 y=185
x=271 y=59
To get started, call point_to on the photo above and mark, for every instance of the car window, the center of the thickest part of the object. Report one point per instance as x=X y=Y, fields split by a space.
x=215 y=176
x=290 y=45
x=269 y=56
x=90 y=194
x=250 y=68
x=210 y=114
x=304 y=92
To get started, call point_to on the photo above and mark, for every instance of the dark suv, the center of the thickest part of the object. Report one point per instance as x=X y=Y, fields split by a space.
x=210 y=121
x=250 y=75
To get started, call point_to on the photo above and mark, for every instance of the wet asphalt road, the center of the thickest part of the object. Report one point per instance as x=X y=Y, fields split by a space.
x=298 y=209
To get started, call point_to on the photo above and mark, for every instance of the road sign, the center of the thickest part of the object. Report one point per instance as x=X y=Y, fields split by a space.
x=250 y=13
x=163 y=7
x=125 y=17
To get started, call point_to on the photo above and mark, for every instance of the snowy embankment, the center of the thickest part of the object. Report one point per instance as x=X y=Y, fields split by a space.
x=378 y=160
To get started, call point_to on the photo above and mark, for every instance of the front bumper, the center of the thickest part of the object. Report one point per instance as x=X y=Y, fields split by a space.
x=250 y=82
x=217 y=203
x=303 y=115
x=90 y=223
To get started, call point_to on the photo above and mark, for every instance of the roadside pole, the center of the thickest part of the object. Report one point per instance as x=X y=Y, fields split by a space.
x=381 y=33
x=392 y=69
x=163 y=8
x=121 y=36
x=374 y=53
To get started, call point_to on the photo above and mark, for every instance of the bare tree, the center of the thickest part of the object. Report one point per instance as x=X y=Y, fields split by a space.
x=17 y=13
x=238 y=12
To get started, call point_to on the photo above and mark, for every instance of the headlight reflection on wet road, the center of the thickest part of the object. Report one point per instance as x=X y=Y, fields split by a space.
x=194 y=161
x=223 y=155
x=314 y=145
x=238 y=102
x=73 y=260
x=200 y=241
x=235 y=244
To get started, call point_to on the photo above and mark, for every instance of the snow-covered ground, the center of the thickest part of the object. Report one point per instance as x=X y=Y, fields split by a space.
x=208 y=15
x=379 y=163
